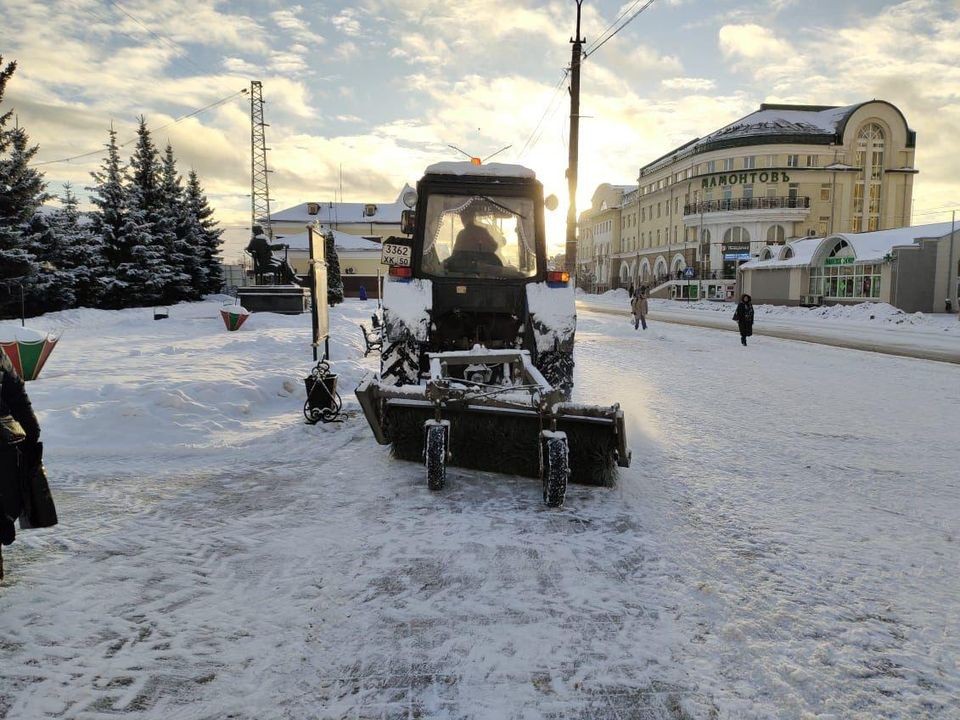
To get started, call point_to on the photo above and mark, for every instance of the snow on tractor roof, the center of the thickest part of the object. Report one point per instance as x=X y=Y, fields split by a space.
x=488 y=170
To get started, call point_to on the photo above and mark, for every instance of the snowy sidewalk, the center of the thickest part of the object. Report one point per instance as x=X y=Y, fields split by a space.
x=926 y=343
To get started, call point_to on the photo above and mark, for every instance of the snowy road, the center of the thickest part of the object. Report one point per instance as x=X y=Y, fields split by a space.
x=784 y=545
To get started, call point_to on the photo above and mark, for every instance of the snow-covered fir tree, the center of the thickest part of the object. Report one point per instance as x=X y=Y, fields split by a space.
x=173 y=227
x=207 y=233
x=334 y=279
x=107 y=222
x=83 y=255
x=51 y=287
x=151 y=240
x=22 y=191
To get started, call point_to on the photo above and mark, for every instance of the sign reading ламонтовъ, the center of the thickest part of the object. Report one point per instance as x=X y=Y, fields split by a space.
x=745 y=178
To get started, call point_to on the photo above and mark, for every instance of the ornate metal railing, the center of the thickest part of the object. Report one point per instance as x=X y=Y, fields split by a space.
x=754 y=203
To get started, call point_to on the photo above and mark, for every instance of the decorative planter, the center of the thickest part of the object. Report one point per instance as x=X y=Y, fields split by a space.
x=27 y=349
x=234 y=316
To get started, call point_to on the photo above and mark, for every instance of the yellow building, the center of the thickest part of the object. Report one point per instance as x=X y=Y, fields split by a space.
x=600 y=236
x=780 y=173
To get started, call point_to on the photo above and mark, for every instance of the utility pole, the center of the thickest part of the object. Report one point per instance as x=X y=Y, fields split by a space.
x=259 y=185
x=571 y=247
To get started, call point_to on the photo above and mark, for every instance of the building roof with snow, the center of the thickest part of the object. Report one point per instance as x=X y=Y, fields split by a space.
x=344 y=242
x=775 y=124
x=345 y=213
x=866 y=247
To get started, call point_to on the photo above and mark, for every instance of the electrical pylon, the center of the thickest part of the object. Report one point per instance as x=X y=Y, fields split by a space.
x=259 y=182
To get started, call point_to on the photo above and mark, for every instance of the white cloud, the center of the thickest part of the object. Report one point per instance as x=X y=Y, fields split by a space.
x=347 y=22
x=753 y=43
x=688 y=83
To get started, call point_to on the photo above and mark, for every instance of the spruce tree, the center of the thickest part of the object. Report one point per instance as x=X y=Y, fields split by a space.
x=83 y=254
x=207 y=235
x=148 y=273
x=173 y=227
x=334 y=280
x=107 y=222
x=22 y=192
x=51 y=286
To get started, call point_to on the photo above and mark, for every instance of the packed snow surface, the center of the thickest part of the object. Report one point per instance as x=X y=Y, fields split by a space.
x=784 y=543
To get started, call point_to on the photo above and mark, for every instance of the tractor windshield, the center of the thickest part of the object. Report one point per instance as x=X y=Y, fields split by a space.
x=479 y=236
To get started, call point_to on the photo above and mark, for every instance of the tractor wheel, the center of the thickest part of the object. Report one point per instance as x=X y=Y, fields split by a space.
x=399 y=364
x=556 y=366
x=554 y=468
x=435 y=453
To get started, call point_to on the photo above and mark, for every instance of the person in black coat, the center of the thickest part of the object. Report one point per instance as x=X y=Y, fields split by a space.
x=744 y=317
x=24 y=493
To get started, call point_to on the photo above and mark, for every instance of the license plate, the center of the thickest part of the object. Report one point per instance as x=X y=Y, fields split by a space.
x=395 y=255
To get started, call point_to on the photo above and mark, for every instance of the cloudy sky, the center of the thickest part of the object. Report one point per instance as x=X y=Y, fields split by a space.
x=382 y=87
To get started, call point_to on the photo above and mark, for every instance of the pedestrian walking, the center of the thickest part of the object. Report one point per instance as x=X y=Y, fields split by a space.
x=633 y=291
x=640 y=309
x=24 y=493
x=743 y=316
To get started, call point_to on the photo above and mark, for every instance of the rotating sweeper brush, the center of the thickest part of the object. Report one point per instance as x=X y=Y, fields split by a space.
x=477 y=360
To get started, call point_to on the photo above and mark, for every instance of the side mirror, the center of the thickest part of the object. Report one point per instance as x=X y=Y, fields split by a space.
x=408 y=221
x=551 y=203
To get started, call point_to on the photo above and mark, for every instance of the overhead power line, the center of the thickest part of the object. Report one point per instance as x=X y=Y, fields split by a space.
x=180 y=119
x=600 y=42
x=553 y=96
x=166 y=41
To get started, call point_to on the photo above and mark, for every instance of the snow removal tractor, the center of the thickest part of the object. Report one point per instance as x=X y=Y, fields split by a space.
x=477 y=361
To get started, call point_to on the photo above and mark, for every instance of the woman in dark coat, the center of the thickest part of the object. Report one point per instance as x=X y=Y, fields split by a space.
x=744 y=317
x=24 y=493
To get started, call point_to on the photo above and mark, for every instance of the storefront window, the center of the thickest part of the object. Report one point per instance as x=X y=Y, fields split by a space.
x=846 y=282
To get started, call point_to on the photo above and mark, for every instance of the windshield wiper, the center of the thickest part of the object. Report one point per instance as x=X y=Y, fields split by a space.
x=502 y=207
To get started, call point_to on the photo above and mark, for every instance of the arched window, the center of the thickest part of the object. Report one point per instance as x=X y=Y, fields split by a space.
x=866 y=189
x=660 y=267
x=705 y=236
x=842 y=250
x=776 y=235
x=736 y=234
x=788 y=252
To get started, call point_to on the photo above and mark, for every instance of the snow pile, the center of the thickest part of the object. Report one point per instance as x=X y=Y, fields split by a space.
x=487 y=170
x=183 y=387
x=17 y=333
x=407 y=307
x=553 y=313
x=867 y=314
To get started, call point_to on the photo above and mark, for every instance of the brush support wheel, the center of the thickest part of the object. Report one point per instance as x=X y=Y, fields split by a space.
x=554 y=468
x=435 y=435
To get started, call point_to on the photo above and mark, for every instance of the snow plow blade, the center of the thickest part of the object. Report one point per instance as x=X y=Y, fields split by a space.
x=496 y=428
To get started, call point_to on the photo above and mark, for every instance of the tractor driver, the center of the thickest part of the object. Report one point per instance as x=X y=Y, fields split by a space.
x=474 y=244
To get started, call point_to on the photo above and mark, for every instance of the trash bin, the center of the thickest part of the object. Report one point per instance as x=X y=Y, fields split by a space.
x=323 y=402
